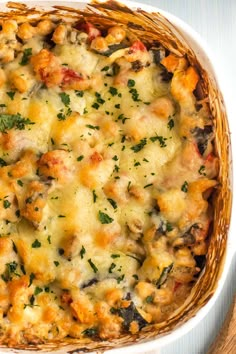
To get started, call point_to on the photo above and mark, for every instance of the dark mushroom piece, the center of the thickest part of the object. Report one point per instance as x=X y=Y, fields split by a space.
x=203 y=137
x=130 y=314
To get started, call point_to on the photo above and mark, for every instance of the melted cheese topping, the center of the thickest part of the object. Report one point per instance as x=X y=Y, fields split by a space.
x=106 y=166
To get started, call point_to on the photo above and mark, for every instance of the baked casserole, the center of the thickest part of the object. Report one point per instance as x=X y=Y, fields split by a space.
x=108 y=168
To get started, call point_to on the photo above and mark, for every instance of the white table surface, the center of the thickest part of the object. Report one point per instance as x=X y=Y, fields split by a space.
x=215 y=21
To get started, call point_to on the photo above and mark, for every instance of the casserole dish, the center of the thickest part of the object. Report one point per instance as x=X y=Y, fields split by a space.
x=204 y=289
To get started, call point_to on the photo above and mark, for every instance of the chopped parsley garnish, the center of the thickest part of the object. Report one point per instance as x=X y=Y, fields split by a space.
x=36 y=244
x=56 y=263
x=49 y=239
x=80 y=158
x=29 y=200
x=116 y=168
x=11 y=267
x=169 y=227
x=171 y=124
x=95 y=105
x=92 y=265
x=115 y=158
x=6 y=204
x=122 y=118
x=135 y=94
x=94 y=127
x=112 y=266
x=201 y=170
x=131 y=83
x=139 y=146
x=32 y=277
x=135 y=276
x=115 y=256
x=137 y=164
x=106 y=68
x=112 y=202
x=11 y=94
x=113 y=91
x=104 y=218
x=38 y=290
x=121 y=278
x=117 y=106
x=65 y=98
x=79 y=93
x=94 y=196
x=26 y=55
x=20 y=183
x=82 y=252
x=184 y=187
x=10 y=121
x=149 y=299
x=161 y=140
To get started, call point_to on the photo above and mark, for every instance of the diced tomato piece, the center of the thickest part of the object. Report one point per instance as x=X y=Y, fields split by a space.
x=210 y=157
x=70 y=75
x=96 y=157
x=137 y=45
x=90 y=29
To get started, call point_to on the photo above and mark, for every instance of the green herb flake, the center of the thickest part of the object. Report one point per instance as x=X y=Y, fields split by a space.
x=94 y=196
x=79 y=93
x=149 y=299
x=135 y=95
x=113 y=91
x=135 y=276
x=26 y=55
x=6 y=204
x=139 y=146
x=56 y=263
x=11 y=94
x=184 y=187
x=80 y=158
x=117 y=105
x=171 y=124
x=131 y=83
x=94 y=127
x=169 y=227
x=10 y=121
x=32 y=277
x=115 y=158
x=49 y=239
x=20 y=183
x=95 y=105
x=105 y=68
x=137 y=164
x=104 y=218
x=112 y=202
x=115 y=256
x=202 y=170
x=92 y=265
x=122 y=118
x=82 y=252
x=112 y=266
x=65 y=98
x=120 y=279
x=36 y=244
x=159 y=138
x=38 y=290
